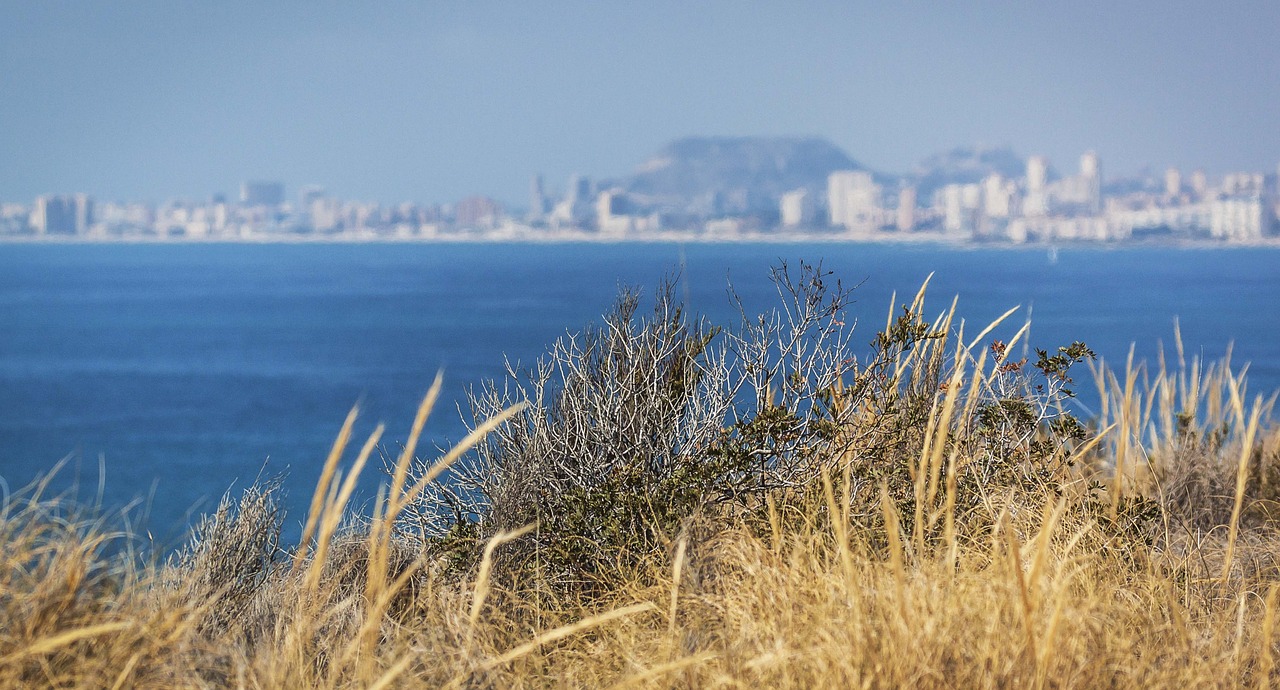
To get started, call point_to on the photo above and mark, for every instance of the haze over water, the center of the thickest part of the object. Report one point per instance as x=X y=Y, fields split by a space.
x=193 y=369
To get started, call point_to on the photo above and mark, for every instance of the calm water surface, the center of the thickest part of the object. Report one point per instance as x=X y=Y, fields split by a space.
x=188 y=370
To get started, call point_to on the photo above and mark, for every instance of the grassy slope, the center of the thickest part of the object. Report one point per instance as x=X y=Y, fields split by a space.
x=1027 y=589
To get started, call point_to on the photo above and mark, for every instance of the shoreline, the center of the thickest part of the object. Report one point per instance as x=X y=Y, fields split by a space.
x=663 y=238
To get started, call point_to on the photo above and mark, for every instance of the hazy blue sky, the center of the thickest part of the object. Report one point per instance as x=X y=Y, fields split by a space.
x=433 y=101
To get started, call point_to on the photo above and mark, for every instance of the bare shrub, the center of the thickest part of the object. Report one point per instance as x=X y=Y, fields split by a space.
x=230 y=554
x=644 y=423
x=649 y=425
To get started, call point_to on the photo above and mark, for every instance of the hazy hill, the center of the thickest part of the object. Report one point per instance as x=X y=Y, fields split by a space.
x=965 y=165
x=711 y=175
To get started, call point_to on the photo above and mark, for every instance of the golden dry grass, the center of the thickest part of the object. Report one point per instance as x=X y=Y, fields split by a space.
x=1048 y=597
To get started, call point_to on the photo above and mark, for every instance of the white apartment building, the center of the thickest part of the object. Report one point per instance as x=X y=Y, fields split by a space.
x=960 y=206
x=796 y=208
x=1036 y=202
x=853 y=199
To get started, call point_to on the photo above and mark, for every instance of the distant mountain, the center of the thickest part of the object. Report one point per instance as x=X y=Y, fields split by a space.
x=709 y=176
x=965 y=165
x=712 y=175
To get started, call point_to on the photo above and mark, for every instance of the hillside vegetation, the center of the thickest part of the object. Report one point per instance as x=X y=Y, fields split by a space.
x=666 y=502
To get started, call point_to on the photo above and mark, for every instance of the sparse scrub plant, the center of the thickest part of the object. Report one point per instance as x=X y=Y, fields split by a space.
x=653 y=428
x=642 y=427
x=229 y=555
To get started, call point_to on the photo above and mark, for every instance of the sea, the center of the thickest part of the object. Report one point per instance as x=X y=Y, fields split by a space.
x=158 y=377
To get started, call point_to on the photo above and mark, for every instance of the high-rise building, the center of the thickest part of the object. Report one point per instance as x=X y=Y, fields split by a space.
x=54 y=215
x=1091 y=181
x=219 y=220
x=612 y=213
x=325 y=214
x=1172 y=183
x=1199 y=184
x=1090 y=166
x=537 y=199
x=796 y=208
x=262 y=193
x=853 y=198
x=84 y=213
x=960 y=204
x=579 y=189
x=576 y=206
x=1037 y=173
x=906 y=219
x=478 y=213
x=1037 y=199
x=997 y=197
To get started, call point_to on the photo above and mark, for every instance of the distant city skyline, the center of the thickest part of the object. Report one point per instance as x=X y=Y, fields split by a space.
x=437 y=102
x=712 y=189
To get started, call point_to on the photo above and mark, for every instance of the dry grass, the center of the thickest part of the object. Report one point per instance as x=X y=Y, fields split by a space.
x=1053 y=591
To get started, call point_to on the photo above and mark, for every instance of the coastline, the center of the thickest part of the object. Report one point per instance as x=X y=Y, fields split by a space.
x=648 y=238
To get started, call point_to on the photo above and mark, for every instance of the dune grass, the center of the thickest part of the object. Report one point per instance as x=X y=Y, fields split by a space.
x=931 y=517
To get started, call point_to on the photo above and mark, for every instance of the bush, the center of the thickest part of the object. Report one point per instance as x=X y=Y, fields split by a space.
x=653 y=425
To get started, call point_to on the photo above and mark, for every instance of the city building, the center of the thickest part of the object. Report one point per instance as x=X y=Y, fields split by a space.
x=611 y=213
x=325 y=214
x=853 y=199
x=1036 y=201
x=14 y=218
x=906 y=217
x=538 y=206
x=796 y=209
x=262 y=193
x=1172 y=184
x=57 y=215
x=1199 y=184
x=1091 y=181
x=473 y=213
x=618 y=216
x=575 y=209
x=960 y=205
x=83 y=205
x=1079 y=194
x=998 y=197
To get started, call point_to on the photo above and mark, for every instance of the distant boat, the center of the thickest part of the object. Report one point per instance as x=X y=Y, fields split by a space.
x=1053 y=256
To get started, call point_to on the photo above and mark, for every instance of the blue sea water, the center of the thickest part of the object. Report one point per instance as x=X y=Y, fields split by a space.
x=189 y=370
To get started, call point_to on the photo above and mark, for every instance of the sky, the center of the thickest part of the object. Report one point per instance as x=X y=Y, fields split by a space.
x=434 y=101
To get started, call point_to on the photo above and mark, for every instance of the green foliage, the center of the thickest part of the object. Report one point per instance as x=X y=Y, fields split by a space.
x=1056 y=366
